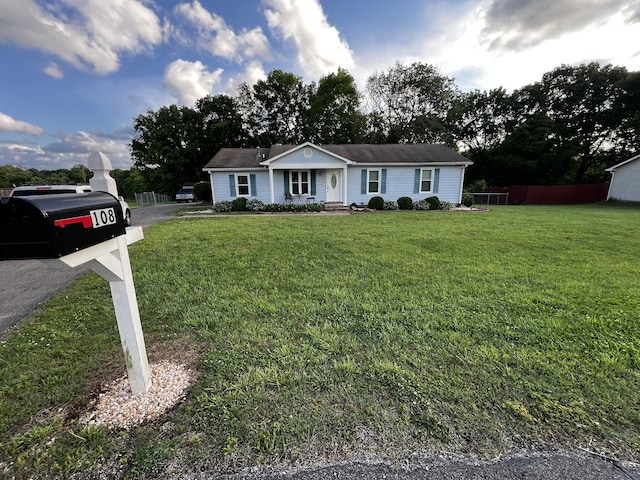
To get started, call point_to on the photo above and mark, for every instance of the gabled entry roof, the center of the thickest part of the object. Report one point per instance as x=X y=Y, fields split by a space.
x=388 y=154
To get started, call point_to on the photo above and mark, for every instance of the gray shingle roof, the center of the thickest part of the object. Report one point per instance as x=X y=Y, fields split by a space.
x=361 y=153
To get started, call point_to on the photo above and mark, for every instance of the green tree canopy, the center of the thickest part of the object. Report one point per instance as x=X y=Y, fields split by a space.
x=334 y=115
x=410 y=104
x=275 y=109
x=174 y=143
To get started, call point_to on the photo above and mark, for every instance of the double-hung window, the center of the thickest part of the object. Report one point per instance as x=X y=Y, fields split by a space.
x=242 y=185
x=373 y=181
x=426 y=180
x=300 y=182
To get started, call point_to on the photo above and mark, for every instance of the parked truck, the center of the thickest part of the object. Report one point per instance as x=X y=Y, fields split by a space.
x=186 y=194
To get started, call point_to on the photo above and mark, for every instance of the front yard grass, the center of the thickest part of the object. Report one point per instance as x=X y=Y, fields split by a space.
x=325 y=337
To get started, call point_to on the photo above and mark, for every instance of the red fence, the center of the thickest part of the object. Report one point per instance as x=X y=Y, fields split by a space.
x=558 y=194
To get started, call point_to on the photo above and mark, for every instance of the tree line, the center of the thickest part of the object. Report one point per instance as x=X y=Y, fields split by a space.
x=129 y=181
x=566 y=128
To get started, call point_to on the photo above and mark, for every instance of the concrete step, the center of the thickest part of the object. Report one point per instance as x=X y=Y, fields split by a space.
x=335 y=206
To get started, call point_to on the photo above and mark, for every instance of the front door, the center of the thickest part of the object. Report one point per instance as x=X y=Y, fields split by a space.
x=334 y=186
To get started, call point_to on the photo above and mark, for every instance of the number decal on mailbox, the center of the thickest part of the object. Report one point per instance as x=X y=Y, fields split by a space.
x=103 y=217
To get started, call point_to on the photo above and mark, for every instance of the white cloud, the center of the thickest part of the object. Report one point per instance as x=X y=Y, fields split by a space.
x=190 y=80
x=89 y=34
x=217 y=38
x=69 y=150
x=9 y=124
x=476 y=65
x=250 y=76
x=320 y=48
x=456 y=43
x=83 y=143
x=53 y=70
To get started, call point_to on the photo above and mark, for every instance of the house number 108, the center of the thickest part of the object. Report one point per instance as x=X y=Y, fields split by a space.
x=103 y=217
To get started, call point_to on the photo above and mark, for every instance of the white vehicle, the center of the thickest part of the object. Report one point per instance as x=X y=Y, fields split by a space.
x=31 y=190
x=186 y=194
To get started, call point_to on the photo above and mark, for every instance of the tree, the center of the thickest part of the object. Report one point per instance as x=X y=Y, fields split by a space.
x=274 y=110
x=627 y=106
x=80 y=174
x=222 y=124
x=334 y=115
x=581 y=102
x=533 y=154
x=481 y=120
x=413 y=103
x=11 y=175
x=165 y=149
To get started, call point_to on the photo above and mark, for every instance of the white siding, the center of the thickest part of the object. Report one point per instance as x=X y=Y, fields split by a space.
x=400 y=183
x=222 y=190
x=625 y=184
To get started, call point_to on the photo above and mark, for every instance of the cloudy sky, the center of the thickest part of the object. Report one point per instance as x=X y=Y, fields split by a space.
x=75 y=73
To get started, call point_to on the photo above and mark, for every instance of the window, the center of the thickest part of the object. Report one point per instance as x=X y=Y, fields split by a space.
x=426 y=181
x=300 y=183
x=242 y=184
x=373 y=181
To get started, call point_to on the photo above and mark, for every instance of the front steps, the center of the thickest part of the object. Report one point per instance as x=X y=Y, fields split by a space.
x=335 y=207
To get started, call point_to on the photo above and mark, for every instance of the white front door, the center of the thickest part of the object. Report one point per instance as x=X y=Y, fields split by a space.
x=334 y=186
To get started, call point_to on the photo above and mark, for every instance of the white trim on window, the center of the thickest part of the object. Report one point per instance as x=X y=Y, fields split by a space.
x=243 y=185
x=374 y=181
x=300 y=182
x=426 y=180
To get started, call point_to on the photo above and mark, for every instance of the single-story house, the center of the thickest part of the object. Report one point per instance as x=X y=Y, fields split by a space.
x=625 y=180
x=337 y=174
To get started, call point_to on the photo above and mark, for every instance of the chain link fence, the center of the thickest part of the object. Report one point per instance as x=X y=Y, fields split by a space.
x=491 y=198
x=145 y=199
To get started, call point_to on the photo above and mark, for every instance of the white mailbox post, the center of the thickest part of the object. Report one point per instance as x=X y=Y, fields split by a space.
x=110 y=260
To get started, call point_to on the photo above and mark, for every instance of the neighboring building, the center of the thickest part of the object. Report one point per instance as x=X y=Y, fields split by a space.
x=625 y=180
x=337 y=174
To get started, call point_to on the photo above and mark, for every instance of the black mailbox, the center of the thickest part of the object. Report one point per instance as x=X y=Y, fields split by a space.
x=52 y=226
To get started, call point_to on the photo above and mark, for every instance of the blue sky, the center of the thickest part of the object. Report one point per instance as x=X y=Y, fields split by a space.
x=75 y=73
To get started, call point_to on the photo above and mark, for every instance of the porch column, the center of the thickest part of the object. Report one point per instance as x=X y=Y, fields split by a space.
x=273 y=193
x=345 y=180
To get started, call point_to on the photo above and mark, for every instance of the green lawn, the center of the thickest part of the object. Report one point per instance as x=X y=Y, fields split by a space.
x=328 y=336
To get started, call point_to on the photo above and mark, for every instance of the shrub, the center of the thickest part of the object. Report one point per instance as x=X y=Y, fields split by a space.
x=447 y=205
x=315 y=207
x=478 y=186
x=405 y=203
x=202 y=191
x=434 y=203
x=421 y=205
x=255 y=205
x=467 y=199
x=222 y=206
x=376 y=203
x=390 y=205
x=239 y=204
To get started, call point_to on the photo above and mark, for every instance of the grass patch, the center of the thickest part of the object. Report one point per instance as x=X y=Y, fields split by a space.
x=328 y=336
